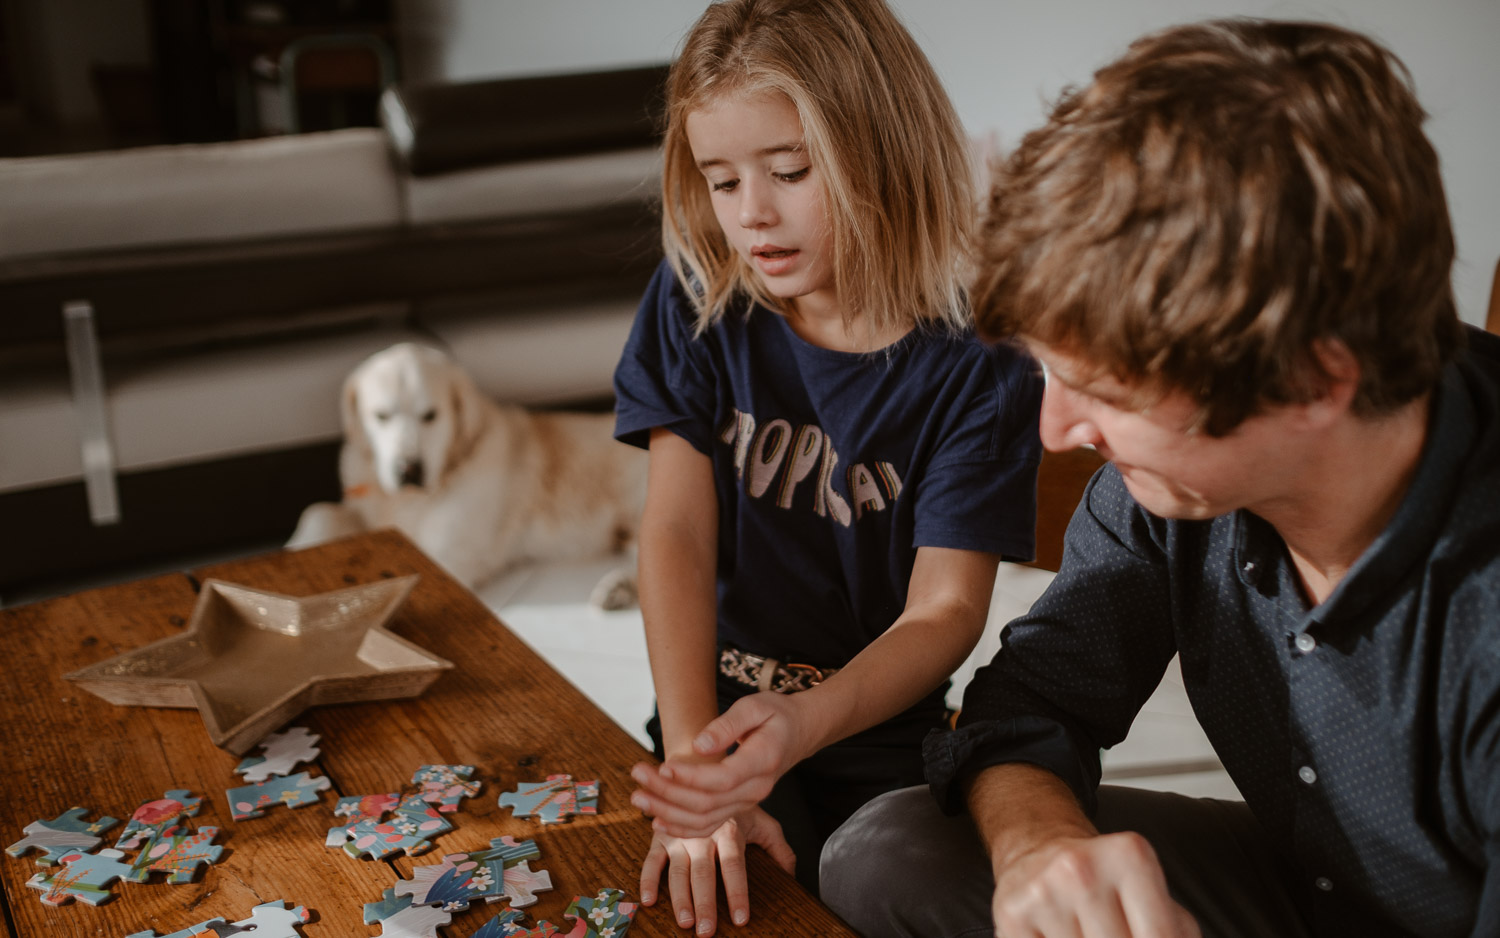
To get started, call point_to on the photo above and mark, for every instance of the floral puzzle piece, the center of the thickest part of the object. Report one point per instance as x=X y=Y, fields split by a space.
x=360 y=808
x=556 y=799
x=290 y=790
x=505 y=925
x=177 y=854
x=281 y=752
x=67 y=833
x=445 y=785
x=155 y=818
x=414 y=822
x=84 y=876
x=497 y=872
x=399 y=917
x=603 y=916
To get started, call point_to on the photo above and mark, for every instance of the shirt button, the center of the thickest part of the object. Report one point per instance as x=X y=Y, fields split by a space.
x=1307 y=774
x=1306 y=643
x=1324 y=883
x=1249 y=567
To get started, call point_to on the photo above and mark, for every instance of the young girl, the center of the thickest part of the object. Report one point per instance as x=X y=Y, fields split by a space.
x=836 y=463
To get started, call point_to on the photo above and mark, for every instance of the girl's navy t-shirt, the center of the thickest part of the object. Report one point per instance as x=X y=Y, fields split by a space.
x=832 y=467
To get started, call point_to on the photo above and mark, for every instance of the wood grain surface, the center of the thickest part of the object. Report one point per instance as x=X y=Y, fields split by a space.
x=502 y=709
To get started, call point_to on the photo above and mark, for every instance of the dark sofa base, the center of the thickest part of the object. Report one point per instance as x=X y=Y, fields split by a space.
x=245 y=502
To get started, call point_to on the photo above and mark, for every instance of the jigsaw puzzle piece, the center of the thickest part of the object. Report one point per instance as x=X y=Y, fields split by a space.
x=556 y=799
x=155 y=818
x=603 y=916
x=359 y=808
x=461 y=878
x=281 y=752
x=84 y=876
x=267 y=920
x=66 y=833
x=505 y=925
x=445 y=785
x=177 y=854
x=399 y=917
x=522 y=883
x=414 y=822
x=293 y=791
x=202 y=928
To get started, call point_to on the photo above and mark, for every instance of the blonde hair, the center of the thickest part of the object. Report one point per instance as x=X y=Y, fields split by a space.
x=880 y=132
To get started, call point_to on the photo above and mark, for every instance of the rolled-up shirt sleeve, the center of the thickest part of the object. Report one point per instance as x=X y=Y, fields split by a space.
x=1072 y=673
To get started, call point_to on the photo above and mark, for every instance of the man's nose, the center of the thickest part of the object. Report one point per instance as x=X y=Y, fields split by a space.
x=1064 y=423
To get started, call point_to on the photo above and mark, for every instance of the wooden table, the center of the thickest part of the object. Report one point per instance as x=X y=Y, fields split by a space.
x=501 y=709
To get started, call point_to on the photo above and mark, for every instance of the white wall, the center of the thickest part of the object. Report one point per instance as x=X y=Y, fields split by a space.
x=1003 y=61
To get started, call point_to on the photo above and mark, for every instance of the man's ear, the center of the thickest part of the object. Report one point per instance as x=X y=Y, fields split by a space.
x=1335 y=382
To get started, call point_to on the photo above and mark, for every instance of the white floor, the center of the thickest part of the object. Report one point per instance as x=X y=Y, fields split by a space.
x=604 y=654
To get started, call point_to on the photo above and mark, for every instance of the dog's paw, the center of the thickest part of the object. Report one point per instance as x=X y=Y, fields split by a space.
x=615 y=591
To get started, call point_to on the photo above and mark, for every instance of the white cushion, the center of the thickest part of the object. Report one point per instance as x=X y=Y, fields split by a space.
x=340 y=180
x=204 y=406
x=543 y=356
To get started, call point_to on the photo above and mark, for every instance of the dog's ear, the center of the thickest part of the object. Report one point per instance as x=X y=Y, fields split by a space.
x=354 y=427
x=468 y=413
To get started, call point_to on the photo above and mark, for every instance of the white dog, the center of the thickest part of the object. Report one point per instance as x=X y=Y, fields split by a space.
x=478 y=485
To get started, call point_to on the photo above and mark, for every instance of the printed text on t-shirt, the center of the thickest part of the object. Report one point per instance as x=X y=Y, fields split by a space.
x=777 y=453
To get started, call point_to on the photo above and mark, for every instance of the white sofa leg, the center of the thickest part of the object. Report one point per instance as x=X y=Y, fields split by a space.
x=87 y=374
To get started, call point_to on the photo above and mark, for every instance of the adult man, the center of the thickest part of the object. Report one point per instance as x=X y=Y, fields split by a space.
x=1232 y=253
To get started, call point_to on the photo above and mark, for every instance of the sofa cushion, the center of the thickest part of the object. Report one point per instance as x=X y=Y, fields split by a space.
x=318 y=183
x=567 y=184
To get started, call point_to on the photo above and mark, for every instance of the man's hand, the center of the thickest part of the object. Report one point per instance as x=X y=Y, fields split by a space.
x=1101 y=886
x=690 y=863
x=691 y=799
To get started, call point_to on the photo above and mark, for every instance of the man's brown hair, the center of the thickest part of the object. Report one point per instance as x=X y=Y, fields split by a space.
x=1219 y=200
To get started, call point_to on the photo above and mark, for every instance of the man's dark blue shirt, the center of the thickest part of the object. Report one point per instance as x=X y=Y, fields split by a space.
x=1363 y=732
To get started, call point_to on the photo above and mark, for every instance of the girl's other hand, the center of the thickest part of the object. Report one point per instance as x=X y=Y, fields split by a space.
x=691 y=799
x=690 y=864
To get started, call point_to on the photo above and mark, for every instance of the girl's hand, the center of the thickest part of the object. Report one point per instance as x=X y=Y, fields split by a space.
x=692 y=799
x=690 y=869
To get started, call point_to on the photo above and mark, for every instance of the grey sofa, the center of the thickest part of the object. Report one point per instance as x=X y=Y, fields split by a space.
x=175 y=322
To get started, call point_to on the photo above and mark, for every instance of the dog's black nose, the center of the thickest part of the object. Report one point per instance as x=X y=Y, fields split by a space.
x=411 y=473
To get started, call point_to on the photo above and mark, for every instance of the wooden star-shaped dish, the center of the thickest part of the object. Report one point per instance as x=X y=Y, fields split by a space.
x=250 y=660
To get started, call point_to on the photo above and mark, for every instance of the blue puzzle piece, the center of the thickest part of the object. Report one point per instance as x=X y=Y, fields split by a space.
x=267 y=920
x=83 y=876
x=414 y=822
x=462 y=878
x=155 y=818
x=66 y=833
x=445 y=785
x=399 y=917
x=248 y=801
x=603 y=916
x=501 y=926
x=556 y=799
x=178 y=854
